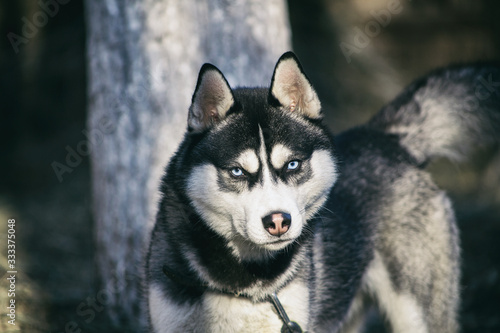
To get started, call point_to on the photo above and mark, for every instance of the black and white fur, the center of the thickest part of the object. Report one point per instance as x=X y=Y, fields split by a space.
x=365 y=224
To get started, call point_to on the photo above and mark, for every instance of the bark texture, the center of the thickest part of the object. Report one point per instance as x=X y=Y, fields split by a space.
x=143 y=61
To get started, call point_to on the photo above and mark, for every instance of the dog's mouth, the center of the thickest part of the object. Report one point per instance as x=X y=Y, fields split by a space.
x=277 y=244
x=246 y=249
x=281 y=241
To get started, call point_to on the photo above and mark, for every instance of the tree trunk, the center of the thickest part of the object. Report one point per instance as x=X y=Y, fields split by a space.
x=143 y=61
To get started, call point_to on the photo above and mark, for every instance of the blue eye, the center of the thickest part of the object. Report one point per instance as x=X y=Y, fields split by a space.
x=237 y=172
x=293 y=165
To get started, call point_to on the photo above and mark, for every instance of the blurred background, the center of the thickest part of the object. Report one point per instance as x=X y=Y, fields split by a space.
x=43 y=105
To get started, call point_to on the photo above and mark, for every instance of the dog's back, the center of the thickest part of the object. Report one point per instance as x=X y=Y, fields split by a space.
x=408 y=229
x=414 y=273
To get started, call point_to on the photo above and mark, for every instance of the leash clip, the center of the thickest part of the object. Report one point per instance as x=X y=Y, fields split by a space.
x=288 y=325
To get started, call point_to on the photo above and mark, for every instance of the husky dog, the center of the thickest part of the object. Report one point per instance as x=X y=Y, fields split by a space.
x=268 y=223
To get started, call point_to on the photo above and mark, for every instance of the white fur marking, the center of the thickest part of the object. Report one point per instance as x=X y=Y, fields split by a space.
x=224 y=313
x=249 y=161
x=266 y=175
x=317 y=189
x=236 y=314
x=280 y=155
x=402 y=310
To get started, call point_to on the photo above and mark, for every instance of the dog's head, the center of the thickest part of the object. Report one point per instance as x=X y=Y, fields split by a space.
x=259 y=161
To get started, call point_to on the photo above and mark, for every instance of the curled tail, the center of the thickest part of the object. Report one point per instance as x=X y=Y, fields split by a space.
x=446 y=112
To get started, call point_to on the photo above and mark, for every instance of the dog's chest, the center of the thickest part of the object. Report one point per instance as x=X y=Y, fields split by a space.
x=225 y=313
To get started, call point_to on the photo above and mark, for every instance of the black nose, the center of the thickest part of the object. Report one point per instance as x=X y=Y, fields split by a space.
x=277 y=223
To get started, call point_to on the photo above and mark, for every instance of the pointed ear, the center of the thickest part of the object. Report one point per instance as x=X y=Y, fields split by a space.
x=292 y=89
x=211 y=100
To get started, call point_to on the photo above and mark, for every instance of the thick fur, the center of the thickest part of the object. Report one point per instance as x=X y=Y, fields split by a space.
x=368 y=224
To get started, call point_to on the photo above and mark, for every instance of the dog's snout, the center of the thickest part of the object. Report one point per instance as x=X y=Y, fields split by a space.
x=277 y=223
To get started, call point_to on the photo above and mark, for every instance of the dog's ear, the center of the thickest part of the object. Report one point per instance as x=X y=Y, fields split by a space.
x=211 y=100
x=291 y=88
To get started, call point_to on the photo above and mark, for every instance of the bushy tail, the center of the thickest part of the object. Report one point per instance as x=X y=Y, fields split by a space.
x=446 y=112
